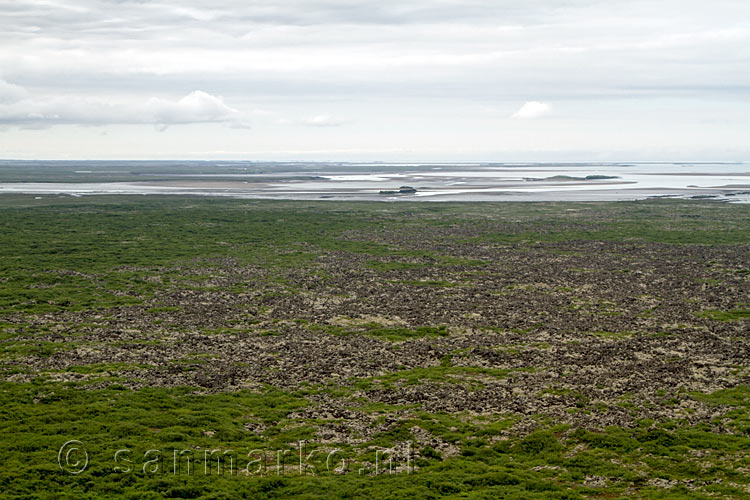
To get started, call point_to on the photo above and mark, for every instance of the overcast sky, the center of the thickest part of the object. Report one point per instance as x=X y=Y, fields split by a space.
x=406 y=80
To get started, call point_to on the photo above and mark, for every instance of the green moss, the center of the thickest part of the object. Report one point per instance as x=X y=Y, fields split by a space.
x=104 y=367
x=434 y=283
x=106 y=254
x=395 y=266
x=731 y=315
x=376 y=330
x=612 y=335
x=164 y=309
x=443 y=373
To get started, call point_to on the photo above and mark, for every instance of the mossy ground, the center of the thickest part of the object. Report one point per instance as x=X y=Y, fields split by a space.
x=587 y=350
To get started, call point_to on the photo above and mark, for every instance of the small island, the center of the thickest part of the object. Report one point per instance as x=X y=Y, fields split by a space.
x=401 y=190
x=572 y=178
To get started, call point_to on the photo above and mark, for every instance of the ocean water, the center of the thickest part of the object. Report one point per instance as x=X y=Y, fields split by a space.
x=728 y=182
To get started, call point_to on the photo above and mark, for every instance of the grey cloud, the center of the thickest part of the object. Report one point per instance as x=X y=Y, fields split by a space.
x=92 y=14
x=555 y=44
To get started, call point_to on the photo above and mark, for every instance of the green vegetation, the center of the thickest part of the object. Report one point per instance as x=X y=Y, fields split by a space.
x=442 y=373
x=551 y=462
x=731 y=315
x=373 y=329
x=527 y=351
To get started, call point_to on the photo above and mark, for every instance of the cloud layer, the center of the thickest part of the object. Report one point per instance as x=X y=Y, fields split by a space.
x=391 y=75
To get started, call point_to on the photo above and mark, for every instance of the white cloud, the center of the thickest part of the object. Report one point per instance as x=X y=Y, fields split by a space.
x=196 y=107
x=18 y=107
x=323 y=121
x=531 y=110
x=11 y=93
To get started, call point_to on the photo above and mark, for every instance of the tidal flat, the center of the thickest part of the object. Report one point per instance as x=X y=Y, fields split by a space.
x=438 y=182
x=310 y=349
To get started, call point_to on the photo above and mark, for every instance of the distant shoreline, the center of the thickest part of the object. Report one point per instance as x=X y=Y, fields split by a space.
x=382 y=182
